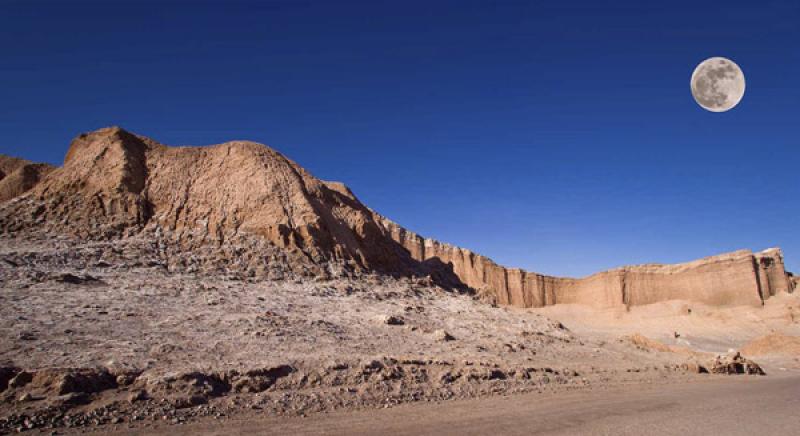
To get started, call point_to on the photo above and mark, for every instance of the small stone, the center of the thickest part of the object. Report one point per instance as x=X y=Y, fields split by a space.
x=441 y=335
x=26 y=336
x=391 y=320
x=138 y=395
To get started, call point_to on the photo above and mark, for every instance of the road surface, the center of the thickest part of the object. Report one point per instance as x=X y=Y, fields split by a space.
x=737 y=405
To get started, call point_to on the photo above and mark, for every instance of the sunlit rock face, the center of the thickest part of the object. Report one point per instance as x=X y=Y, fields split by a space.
x=18 y=176
x=241 y=206
x=738 y=278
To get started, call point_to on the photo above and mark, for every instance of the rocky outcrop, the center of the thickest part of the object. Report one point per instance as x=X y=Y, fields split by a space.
x=734 y=363
x=114 y=184
x=17 y=176
x=9 y=163
x=738 y=278
x=794 y=281
x=245 y=206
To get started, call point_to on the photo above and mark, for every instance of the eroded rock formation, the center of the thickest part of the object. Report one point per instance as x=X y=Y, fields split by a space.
x=115 y=184
x=738 y=278
x=251 y=207
x=17 y=176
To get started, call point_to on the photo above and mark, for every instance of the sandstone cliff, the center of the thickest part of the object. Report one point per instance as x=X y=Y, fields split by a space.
x=18 y=176
x=273 y=213
x=243 y=206
x=738 y=278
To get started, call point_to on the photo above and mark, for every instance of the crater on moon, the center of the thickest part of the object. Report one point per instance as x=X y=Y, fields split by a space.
x=717 y=84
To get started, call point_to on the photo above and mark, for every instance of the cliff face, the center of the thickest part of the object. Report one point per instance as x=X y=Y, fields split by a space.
x=115 y=184
x=738 y=278
x=17 y=176
x=252 y=208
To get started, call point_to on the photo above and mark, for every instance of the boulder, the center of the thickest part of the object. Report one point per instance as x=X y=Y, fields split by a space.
x=734 y=363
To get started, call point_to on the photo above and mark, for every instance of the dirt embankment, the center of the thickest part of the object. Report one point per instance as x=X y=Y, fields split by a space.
x=773 y=344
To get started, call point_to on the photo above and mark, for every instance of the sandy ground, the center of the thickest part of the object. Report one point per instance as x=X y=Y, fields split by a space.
x=687 y=324
x=102 y=335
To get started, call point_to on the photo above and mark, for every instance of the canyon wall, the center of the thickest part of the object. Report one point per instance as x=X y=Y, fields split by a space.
x=738 y=278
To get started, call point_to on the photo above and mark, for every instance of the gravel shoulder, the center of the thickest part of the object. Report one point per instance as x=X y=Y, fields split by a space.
x=765 y=405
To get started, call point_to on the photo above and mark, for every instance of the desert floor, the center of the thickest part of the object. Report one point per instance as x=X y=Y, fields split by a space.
x=103 y=337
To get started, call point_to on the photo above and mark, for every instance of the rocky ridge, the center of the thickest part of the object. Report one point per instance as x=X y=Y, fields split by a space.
x=17 y=176
x=242 y=208
x=239 y=207
x=738 y=278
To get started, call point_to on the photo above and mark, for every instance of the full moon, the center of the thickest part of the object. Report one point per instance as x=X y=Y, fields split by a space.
x=717 y=84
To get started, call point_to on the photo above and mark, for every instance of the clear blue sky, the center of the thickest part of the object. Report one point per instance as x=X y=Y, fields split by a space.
x=560 y=137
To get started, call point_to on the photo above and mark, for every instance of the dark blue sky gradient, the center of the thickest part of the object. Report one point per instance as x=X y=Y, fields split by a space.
x=560 y=137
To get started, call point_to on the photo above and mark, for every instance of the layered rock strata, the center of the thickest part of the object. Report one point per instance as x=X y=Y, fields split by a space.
x=732 y=279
